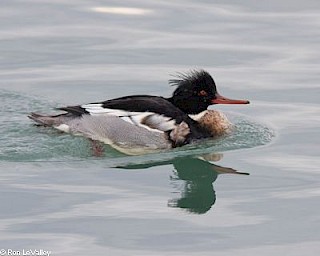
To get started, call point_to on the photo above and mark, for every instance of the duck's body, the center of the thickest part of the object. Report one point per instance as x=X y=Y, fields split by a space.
x=132 y=139
x=111 y=130
x=214 y=122
x=142 y=123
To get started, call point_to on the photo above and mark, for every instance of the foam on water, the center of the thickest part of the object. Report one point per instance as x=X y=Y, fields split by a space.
x=22 y=141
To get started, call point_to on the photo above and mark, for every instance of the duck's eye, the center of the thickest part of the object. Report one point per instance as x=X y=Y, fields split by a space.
x=203 y=93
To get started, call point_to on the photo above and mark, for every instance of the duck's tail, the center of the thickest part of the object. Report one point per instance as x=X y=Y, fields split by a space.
x=47 y=120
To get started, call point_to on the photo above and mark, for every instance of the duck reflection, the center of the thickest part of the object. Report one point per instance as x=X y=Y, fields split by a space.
x=197 y=174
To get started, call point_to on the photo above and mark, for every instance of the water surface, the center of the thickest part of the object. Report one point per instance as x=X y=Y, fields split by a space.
x=197 y=200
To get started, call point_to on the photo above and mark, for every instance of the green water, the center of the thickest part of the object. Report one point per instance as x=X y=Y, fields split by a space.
x=196 y=200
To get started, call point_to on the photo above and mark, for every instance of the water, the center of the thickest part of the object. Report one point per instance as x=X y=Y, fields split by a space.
x=196 y=200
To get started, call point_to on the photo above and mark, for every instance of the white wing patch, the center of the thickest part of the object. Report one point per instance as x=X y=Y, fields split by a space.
x=147 y=120
x=98 y=109
x=159 y=122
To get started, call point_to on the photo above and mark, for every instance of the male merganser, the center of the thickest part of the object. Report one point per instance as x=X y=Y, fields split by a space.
x=151 y=122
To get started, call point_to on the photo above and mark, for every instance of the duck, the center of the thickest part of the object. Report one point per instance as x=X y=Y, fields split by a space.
x=139 y=124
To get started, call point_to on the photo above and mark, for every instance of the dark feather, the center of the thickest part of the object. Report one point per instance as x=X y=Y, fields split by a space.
x=75 y=110
x=193 y=77
x=147 y=103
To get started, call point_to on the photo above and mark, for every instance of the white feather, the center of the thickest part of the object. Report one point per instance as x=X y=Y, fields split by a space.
x=138 y=117
x=127 y=119
x=105 y=111
x=148 y=120
x=92 y=105
x=160 y=122
x=63 y=128
x=196 y=117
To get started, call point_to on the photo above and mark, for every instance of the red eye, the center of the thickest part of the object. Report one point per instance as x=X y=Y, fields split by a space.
x=203 y=93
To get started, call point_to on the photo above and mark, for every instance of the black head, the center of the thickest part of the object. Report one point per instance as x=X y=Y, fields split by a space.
x=196 y=91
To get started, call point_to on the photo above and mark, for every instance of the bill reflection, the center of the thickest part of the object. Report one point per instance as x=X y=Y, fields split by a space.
x=192 y=179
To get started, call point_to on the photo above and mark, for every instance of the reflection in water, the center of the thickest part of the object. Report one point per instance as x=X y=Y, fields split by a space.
x=198 y=175
x=121 y=10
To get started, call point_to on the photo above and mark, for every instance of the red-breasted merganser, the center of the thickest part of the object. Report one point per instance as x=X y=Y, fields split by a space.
x=142 y=123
